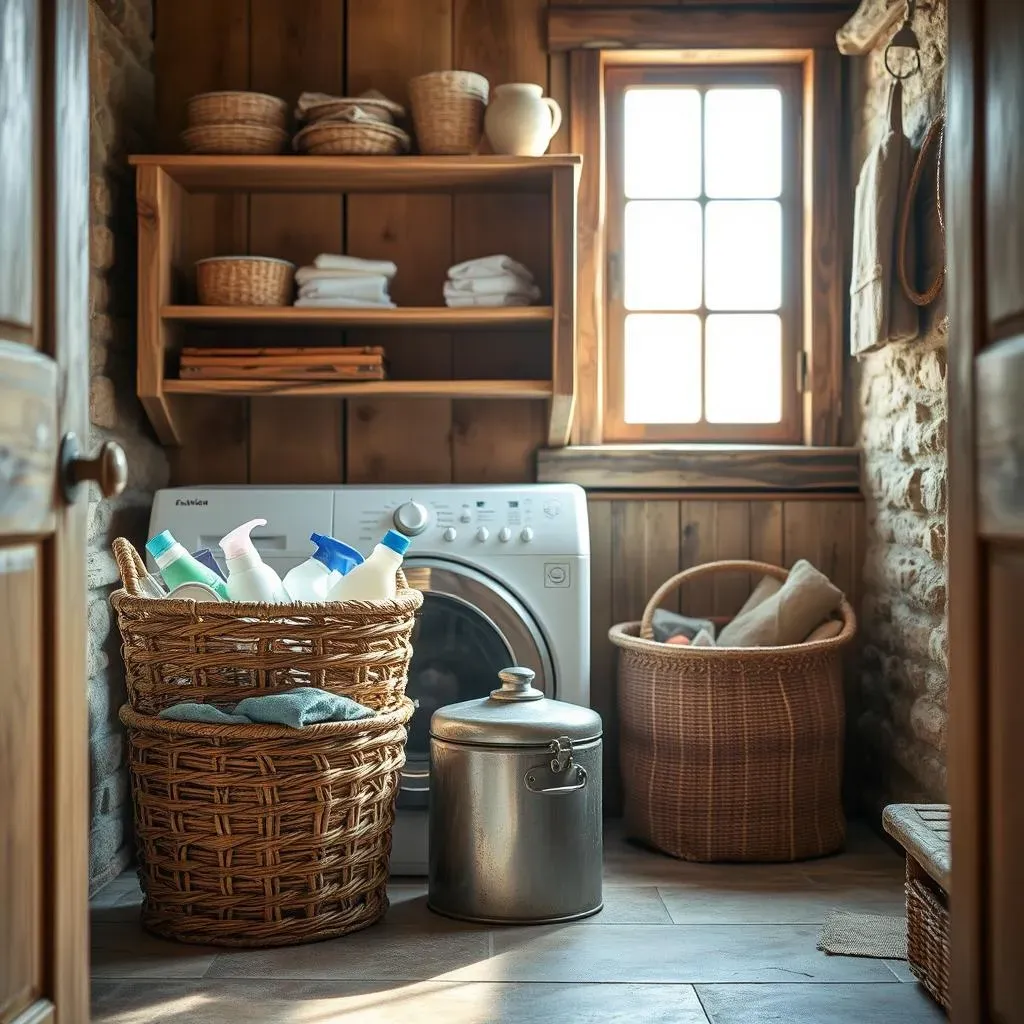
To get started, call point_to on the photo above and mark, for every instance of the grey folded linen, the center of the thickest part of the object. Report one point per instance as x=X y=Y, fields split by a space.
x=306 y=705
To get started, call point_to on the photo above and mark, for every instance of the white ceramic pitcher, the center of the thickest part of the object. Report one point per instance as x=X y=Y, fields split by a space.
x=521 y=120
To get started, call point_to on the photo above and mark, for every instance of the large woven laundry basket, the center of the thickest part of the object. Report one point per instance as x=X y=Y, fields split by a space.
x=732 y=754
x=223 y=652
x=264 y=835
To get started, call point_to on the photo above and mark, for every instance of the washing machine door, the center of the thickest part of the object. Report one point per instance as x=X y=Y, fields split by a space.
x=469 y=628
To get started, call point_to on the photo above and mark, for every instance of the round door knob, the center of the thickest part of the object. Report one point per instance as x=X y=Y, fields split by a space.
x=449 y=533
x=483 y=533
x=108 y=468
x=526 y=535
x=411 y=518
x=504 y=535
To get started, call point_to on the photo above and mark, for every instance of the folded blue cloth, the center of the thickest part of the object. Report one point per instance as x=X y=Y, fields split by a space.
x=298 y=708
x=207 y=713
x=305 y=706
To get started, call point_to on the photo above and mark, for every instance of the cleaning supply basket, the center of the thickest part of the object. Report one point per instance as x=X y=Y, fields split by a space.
x=223 y=652
x=732 y=754
x=264 y=835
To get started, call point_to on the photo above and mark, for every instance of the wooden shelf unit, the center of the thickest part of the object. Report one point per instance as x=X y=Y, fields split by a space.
x=162 y=181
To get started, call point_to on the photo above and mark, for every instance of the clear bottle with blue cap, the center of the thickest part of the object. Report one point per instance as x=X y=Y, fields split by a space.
x=331 y=560
x=177 y=566
x=374 y=579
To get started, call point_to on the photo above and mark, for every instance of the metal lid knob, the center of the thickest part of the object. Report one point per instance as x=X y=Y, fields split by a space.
x=516 y=684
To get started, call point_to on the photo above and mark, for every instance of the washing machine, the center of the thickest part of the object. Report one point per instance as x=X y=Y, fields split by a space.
x=505 y=573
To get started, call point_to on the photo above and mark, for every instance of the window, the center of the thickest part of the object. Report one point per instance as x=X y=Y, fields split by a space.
x=704 y=207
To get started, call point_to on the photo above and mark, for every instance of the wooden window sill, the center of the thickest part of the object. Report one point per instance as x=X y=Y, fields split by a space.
x=702 y=467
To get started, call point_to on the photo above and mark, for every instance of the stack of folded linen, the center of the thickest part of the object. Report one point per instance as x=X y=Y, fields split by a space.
x=345 y=281
x=490 y=281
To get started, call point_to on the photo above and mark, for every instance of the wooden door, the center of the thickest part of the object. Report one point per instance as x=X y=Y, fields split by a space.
x=985 y=190
x=44 y=244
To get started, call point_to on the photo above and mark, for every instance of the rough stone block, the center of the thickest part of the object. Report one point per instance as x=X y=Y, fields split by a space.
x=102 y=403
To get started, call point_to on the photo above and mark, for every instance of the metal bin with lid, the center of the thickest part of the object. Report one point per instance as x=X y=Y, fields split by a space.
x=515 y=807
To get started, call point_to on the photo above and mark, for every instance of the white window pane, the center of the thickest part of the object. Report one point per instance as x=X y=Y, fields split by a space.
x=662 y=369
x=744 y=255
x=663 y=255
x=743 y=365
x=743 y=143
x=662 y=139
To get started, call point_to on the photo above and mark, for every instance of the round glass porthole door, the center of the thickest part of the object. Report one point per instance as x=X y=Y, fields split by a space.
x=469 y=628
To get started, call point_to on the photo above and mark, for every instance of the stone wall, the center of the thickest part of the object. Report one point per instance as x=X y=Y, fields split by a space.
x=902 y=429
x=121 y=122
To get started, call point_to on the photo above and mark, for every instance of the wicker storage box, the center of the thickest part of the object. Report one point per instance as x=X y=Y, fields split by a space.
x=923 y=831
x=223 y=652
x=731 y=754
x=448 y=111
x=264 y=835
x=244 y=281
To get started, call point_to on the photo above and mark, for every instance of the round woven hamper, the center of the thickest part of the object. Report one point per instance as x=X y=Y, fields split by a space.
x=220 y=653
x=264 y=835
x=732 y=754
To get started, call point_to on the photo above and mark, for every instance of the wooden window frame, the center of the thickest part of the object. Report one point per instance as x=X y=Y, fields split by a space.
x=821 y=355
x=787 y=78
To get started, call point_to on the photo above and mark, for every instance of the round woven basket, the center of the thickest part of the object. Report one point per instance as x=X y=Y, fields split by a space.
x=222 y=652
x=732 y=754
x=227 y=139
x=448 y=111
x=237 y=107
x=264 y=835
x=350 y=138
x=244 y=281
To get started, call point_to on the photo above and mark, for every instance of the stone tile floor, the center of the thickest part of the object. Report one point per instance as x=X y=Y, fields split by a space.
x=676 y=943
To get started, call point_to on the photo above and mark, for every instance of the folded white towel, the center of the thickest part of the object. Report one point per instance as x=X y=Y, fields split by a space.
x=511 y=299
x=343 y=301
x=366 y=286
x=353 y=264
x=500 y=284
x=488 y=266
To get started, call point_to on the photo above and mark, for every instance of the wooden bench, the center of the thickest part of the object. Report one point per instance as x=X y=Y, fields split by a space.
x=923 y=831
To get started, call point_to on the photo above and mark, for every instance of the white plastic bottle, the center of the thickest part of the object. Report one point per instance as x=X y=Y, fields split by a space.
x=311 y=580
x=249 y=578
x=374 y=580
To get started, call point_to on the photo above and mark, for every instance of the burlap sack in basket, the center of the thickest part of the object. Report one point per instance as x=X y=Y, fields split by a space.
x=220 y=653
x=264 y=835
x=732 y=754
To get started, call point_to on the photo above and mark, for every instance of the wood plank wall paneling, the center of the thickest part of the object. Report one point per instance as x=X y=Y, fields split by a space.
x=389 y=42
x=202 y=47
x=292 y=442
x=503 y=40
x=636 y=544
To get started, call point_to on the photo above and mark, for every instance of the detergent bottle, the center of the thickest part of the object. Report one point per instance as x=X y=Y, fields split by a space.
x=249 y=577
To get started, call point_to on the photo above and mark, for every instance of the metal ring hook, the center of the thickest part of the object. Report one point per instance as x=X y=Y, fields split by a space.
x=915 y=68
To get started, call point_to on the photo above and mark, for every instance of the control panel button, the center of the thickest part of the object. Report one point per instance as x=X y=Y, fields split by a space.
x=465 y=516
x=412 y=518
x=556 y=574
x=526 y=534
x=449 y=533
x=504 y=535
x=483 y=533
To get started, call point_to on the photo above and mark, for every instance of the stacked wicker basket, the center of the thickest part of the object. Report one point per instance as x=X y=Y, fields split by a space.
x=350 y=125
x=262 y=835
x=236 y=122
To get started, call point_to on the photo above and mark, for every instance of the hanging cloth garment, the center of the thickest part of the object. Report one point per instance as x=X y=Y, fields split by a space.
x=879 y=310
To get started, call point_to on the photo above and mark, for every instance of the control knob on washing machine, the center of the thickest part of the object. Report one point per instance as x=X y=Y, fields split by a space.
x=411 y=518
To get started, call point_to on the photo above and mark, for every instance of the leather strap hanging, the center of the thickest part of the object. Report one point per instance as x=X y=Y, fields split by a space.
x=936 y=132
